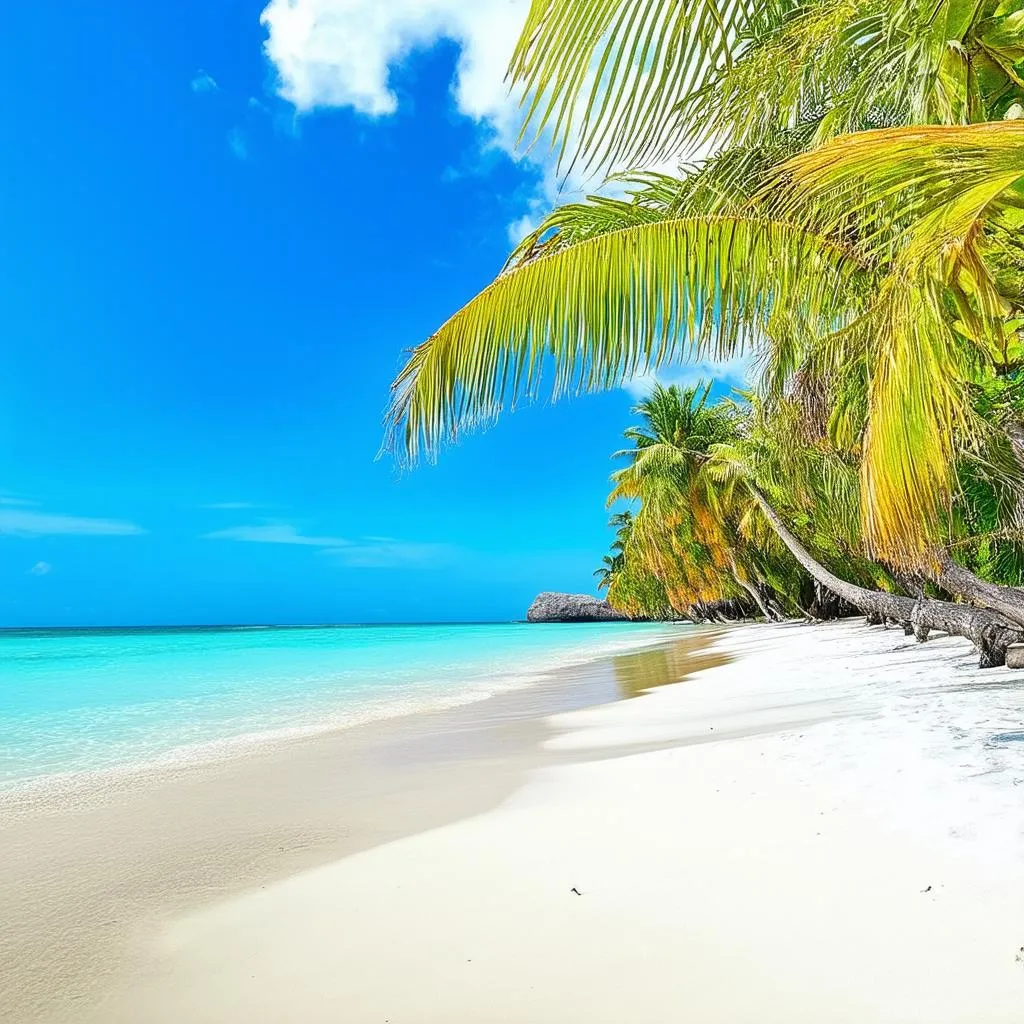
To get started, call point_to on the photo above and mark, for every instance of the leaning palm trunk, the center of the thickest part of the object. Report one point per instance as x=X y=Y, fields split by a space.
x=877 y=605
x=755 y=594
x=988 y=631
x=1008 y=601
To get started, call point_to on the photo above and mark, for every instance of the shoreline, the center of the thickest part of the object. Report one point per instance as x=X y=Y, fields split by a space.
x=91 y=872
x=21 y=795
x=821 y=823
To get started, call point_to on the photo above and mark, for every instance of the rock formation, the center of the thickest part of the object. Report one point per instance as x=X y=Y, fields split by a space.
x=550 y=607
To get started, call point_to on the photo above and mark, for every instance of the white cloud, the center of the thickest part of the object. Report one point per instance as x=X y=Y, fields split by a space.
x=274 y=533
x=237 y=143
x=21 y=523
x=388 y=553
x=231 y=506
x=40 y=569
x=204 y=82
x=362 y=553
x=732 y=372
x=340 y=53
x=13 y=499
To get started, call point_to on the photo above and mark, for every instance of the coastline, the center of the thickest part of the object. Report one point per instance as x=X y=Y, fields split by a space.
x=26 y=793
x=826 y=828
x=92 y=869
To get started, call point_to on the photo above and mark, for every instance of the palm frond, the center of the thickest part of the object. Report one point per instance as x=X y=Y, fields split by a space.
x=573 y=223
x=604 y=76
x=891 y=181
x=919 y=418
x=918 y=201
x=836 y=66
x=610 y=307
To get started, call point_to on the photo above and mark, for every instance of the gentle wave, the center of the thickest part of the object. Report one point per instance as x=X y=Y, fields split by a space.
x=89 y=706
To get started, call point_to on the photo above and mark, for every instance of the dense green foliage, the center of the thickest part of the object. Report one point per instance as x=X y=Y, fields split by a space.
x=697 y=538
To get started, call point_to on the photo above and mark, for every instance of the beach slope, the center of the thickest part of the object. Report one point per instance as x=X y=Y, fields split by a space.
x=828 y=828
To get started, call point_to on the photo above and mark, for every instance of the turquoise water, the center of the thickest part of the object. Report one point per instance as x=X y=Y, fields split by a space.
x=78 y=701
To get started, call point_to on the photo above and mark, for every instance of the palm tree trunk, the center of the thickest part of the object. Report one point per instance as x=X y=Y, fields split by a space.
x=988 y=631
x=753 y=592
x=1008 y=601
x=958 y=580
x=873 y=603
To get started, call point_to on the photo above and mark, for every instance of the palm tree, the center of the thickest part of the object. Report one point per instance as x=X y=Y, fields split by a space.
x=680 y=534
x=611 y=564
x=946 y=319
x=700 y=472
x=859 y=311
x=622 y=522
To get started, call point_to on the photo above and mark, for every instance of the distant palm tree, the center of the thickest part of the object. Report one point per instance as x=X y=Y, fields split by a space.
x=611 y=565
x=682 y=533
x=622 y=522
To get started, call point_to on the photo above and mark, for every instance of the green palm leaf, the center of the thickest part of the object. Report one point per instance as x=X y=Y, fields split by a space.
x=606 y=75
x=614 y=305
x=932 y=181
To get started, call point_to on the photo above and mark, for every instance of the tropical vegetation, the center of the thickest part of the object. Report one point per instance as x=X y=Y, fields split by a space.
x=854 y=227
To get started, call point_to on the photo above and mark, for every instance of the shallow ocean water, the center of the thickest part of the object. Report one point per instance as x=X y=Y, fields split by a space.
x=84 y=700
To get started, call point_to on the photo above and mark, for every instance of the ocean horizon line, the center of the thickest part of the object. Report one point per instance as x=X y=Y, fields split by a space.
x=217 y=626
x=229 y=626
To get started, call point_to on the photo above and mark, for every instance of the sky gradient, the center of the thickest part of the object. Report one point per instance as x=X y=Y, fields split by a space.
x=218 y=234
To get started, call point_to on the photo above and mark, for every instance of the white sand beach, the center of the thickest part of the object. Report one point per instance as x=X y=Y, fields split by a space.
x=829 y=828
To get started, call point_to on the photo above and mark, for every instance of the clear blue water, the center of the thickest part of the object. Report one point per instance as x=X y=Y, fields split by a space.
x=76 y=701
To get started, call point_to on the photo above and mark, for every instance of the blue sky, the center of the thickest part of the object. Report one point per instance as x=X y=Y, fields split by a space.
x=217 y=236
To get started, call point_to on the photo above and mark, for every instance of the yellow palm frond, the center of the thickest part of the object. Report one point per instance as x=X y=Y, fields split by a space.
x=919 y=419
x=918 y=200
x=916 y=184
